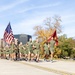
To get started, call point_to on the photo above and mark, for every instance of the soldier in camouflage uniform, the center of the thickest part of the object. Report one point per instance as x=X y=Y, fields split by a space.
x=0 y=51
x=46 y=51
x=21 y=50
x=26 y=51
x=52 y=44
x=7 y=51
x=17 y=53
x=4 y=53
x=36 y=50
x=12 y=50
x=30 y=49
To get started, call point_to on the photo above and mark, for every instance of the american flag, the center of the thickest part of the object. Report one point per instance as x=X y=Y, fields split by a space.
x=8 y=34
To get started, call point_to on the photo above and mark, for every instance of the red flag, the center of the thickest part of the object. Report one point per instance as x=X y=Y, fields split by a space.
x=8 y=34
x=54 y=35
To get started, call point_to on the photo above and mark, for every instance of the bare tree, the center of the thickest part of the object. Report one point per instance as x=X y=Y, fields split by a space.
x=50 y=25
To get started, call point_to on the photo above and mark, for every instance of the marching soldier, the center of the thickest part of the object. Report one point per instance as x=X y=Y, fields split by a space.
x=30 y=49
x=36 y=50
x=3 y=52
x=26 y=51
x=17 y=54
x=21 y=50
x=7 y=51
x=46 y=51
x=0 y=51
x=12 y=50
x=52 y=44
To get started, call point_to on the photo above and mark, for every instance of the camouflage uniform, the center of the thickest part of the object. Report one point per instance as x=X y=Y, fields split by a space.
x=21 y=49
x=25 y=49
x=52 y=44
x=4 y=52
x=36 y=50
x=12 y=51
x=12 y=48
x=0 y=51
x=30 y=49
x=37 y=47
x=17 y=55
x=46 y=50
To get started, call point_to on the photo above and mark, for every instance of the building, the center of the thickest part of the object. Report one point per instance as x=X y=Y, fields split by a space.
x=23 y=37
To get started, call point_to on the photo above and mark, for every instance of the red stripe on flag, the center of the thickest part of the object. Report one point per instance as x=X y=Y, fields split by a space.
x=8 y=34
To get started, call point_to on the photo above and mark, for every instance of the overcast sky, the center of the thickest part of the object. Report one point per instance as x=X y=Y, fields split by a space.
x=23 y=15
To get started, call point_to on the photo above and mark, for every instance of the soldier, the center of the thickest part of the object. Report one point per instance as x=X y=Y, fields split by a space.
x=4 y=53
x=46 y=51
x=17 y=55
x=7 y=51
x=21 y=50
x=12 y=50
x=52 y=44
x=36 y=50
x=0 y=51
x=30 y=51
x=26 y=51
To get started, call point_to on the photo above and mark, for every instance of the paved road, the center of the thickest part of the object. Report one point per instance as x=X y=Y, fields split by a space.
x=58 y=66
x=8 y=67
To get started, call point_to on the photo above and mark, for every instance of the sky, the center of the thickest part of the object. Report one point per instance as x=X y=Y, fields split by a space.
x=23 y=15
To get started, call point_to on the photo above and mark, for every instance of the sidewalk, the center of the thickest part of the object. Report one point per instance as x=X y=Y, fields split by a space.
x=58 y=66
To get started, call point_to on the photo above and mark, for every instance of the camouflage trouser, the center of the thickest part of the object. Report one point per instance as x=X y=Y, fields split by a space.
x=46 y=52
x=51 y=50
x=12 y=54
x=36 y=51
x=30 y=51
x=25 y=51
